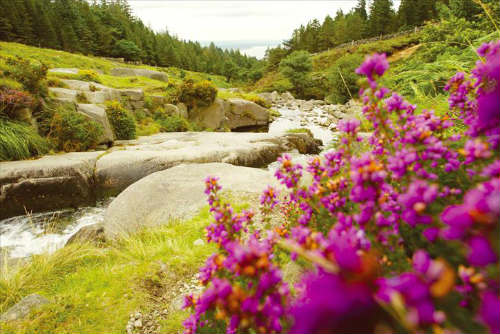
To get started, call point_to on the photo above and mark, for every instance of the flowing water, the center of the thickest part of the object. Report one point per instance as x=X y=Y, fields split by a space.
x=26 y=235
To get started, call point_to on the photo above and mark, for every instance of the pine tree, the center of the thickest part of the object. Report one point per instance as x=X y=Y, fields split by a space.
x=381 y=20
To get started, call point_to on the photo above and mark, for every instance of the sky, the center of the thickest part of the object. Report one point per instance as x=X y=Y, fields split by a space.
x=251 y=26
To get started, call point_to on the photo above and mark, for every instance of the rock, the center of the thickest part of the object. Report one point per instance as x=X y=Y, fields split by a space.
x=48 y=183
x=170 y=109
x=78 y=178
x=177 y=193
x=99 y=115
x=83 y=85
x=64 y=70
x=136 y=159
x=267 y=97
x=132 y=94
x=24 y=307
x=211 y=117
x=138 y=323
x=133 y=72
x=64 y=93
x=287 y=96
x=243 y=113
x=91 y=233
x=308 y=106
x=275 y=97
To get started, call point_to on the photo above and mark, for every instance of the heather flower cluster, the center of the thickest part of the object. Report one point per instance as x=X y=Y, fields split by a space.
x=402 y=237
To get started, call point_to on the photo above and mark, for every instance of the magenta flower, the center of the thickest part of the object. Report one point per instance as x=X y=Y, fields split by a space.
x=373 y=66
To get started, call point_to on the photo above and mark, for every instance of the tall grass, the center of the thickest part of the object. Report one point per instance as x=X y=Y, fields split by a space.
x=19 y=141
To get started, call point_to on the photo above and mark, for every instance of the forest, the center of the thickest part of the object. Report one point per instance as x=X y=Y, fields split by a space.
x=108 y=28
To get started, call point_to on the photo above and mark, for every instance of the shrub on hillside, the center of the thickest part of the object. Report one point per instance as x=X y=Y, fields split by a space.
x=12 y=101
x=197 y=94
x=72 y=131
x=88 y=75
x=121 y=120
x=20 y=141
x=343 y=79
x=296 y=67
x=31 y=74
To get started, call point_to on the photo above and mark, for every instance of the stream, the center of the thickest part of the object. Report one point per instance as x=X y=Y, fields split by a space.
x=26 y=235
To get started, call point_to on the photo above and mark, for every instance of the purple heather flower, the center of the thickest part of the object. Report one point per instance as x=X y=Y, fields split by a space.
x=480 y=252
x=348 y=126
x=415 y=201
x=373 y=65
x=328 y=304
x=490 y=311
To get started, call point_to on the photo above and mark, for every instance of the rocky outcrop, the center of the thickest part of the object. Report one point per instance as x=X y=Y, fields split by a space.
x=49 y=183
x=233 y=114
x=211 y=117
x=99 y=115
x=244 y=114
x=24 y=307
x=124 y=166
x=77 y=179
x=64 y=70
x=177 y=193
x=141 y=72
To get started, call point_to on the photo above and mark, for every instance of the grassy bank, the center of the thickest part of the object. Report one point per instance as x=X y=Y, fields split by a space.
x=94 y=289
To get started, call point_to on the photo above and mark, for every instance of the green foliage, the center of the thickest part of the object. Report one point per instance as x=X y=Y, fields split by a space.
x=31 y=74
x=127 y=49
x=72 y=131
x=342 y=78
x=88 y=75
x=197 y=94
x=296 y=68
x=121 y=120
x=173 y=123
x=19 y=141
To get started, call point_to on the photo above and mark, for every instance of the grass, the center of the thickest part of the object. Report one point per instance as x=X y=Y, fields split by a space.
x=300 y=130
x=55 y=59
x=94 y=290
x=20 y=141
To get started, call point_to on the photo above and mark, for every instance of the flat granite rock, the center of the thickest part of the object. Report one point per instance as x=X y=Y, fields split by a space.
x=23 y=308
x=177 y=193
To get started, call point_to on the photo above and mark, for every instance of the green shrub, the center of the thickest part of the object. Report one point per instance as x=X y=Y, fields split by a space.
x=121 y=120
x=343 y=79
x=173 y=123
x=197 y=94
x=31 y=74
x=72 y=131
x=20 y=141
x=88 y=75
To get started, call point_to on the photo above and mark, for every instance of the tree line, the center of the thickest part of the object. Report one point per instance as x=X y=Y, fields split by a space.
x=378 y=17
x=108 y=28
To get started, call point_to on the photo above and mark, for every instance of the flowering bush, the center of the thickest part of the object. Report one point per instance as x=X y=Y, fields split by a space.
x=401 y=238
x=11 y=101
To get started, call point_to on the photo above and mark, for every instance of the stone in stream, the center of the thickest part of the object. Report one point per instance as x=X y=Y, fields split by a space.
x=23 y=308
x=177 y=193
x=49 y=183
x=91 y=233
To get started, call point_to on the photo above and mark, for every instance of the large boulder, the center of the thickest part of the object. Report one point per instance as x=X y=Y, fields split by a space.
x=177 y=193
x=267 y=97
x=99 y=115
x=211 y=117
x=136 y=159
x=133 y=72
x=64 y=70
x=88 y=234
x=23 y=308
x=244 y=114
x=64 y=93
x=49 y=183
